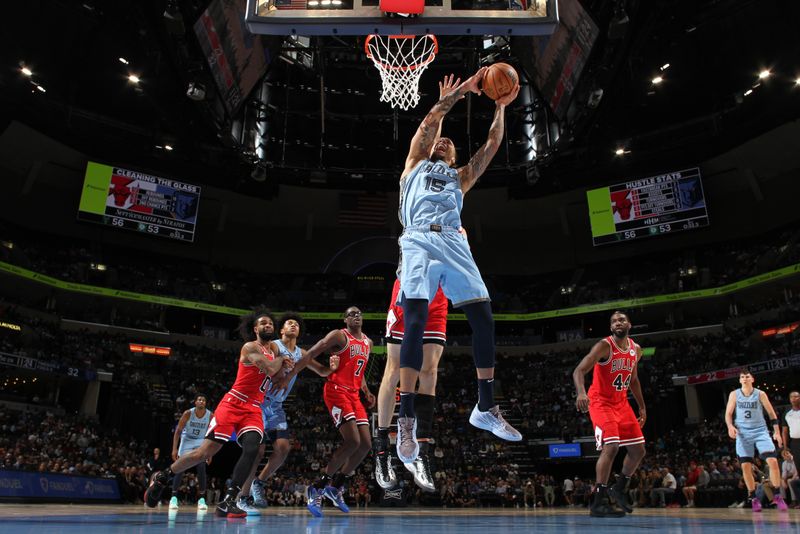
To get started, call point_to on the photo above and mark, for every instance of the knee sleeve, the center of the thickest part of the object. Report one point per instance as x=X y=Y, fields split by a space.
x=415 y=315
x=479 y=315
x=249 y=442
x=201 y=478
x=176 y=482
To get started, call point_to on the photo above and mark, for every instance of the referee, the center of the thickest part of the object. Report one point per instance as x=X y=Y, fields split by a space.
x=791 y=432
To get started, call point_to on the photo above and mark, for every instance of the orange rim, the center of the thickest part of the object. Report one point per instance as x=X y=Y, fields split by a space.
x=403 y=67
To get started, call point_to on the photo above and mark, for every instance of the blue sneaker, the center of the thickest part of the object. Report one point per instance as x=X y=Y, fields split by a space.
x=258 y=495
x=246 y=504
x=314 y=504
x=336 y=496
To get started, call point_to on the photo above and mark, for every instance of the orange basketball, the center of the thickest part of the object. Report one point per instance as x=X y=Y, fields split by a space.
x=500 y=79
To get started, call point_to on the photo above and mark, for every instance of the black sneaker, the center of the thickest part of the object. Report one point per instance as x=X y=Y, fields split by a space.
x=158 y=481
x=227 y=508
x=603 y=507
x=619 y=497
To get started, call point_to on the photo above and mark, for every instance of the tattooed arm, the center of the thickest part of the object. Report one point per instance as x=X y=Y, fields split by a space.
x=428 y=130
x=473 y=170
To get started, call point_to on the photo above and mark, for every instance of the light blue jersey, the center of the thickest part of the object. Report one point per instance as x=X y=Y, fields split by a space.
x=749 y=411
x=271 y=398
x=752 y=430
x=431 y=194
x=194 y=432
x=432 y=251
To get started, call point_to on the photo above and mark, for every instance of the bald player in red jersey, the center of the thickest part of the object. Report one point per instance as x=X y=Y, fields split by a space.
x=239 y=411
x=614 y=361
x=350 y=349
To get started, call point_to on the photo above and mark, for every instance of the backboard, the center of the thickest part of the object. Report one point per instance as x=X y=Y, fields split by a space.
x=363 y=17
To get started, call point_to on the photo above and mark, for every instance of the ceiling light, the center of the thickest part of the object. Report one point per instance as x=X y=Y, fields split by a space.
x=797 y=81
x=325 y=2
x=748 y=92
x=123 y=61
x=26 y=71
x=168 y=147
x=313 y=3
x=337 y=2
x=41 y=89
x=665 y=66
x=657 y=80
x=620 y=151
x=764 y=74
x=133 y=78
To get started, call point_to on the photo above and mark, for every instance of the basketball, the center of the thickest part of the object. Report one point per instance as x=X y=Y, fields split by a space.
x=499 y=80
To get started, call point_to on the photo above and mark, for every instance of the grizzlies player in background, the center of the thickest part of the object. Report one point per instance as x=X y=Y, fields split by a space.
x=191 y=431
x=750 y=432
x=434 y=253
x=276 y=428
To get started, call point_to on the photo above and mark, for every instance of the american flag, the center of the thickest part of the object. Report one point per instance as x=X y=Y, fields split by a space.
x=290 y=4
x=362 y=209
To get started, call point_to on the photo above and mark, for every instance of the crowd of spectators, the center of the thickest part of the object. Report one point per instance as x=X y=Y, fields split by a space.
x=695 y=268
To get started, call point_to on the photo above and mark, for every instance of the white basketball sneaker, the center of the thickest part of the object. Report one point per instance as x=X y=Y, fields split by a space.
x=494 y=422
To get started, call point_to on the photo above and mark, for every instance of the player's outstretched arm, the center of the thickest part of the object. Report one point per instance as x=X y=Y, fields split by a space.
x=176 y=437
x=598 y=352
x=729 y=409
x=323 y=370
x=477 y=165
x=426 y=133
x=333 y=341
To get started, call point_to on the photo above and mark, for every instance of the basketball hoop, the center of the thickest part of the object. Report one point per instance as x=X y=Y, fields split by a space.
x=401 y=60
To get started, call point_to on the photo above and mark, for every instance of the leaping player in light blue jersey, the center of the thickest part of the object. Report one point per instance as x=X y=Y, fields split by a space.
x=276 y=428
x=434 y=253
x=750 y=432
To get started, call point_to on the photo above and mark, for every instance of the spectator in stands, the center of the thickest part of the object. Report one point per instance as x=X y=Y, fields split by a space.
x=790 y=481
x=529 y=494
x=690 y=486
x=658 y=496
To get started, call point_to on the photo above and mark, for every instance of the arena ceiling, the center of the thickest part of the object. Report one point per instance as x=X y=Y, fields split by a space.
x=710 y=97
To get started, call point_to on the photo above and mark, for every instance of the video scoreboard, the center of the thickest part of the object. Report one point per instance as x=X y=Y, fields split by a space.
x=645 y=207
x=136 y=201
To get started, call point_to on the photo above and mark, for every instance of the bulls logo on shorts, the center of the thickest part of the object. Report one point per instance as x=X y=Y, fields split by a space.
x=336 y=413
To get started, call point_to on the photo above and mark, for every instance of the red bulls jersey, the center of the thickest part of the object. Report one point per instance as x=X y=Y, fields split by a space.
x=612 y=377
x=251 y=382
x=353 y=360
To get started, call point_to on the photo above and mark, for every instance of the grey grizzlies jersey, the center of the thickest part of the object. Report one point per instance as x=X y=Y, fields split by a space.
x=749 y=411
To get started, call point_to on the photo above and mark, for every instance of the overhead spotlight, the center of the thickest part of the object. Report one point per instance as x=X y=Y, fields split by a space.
x=133 y=78
x=26 y=71
x=764 y=74
x=797 y=81
x=168 y=148
x=664 y=67
x=41 y=89
x=326 y=2
x=123 y=61
x=337 y=2
x=620 y=151
x=313 y=3
x=657 y=80
x=748 y=92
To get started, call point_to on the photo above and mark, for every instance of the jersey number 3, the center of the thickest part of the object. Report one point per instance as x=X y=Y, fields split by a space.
x=619 y=385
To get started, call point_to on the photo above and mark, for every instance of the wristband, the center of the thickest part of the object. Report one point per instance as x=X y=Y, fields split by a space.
x=774 y=422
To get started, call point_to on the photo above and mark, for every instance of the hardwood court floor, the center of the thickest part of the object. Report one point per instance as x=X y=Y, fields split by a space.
x=107 y=519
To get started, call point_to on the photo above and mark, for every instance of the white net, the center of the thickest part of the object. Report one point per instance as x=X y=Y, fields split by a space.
x=401 y=60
